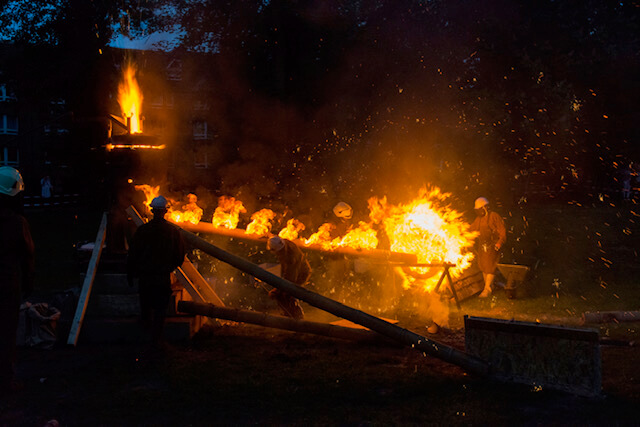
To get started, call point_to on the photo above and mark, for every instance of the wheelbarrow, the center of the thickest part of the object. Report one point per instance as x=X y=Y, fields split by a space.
x=514 y=274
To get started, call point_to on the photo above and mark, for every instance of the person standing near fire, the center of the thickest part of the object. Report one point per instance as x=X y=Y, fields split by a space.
x=16 y=270
x=157 y=248
x=492 y=236
x=295 y=268
x=339 y=268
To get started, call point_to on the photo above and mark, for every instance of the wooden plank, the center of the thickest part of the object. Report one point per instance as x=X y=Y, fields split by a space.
x=190 y=278
x=74 y=333
x=135 y=216
x=281 y=322
x=199 y=283
x=189 y=286
x=349 y=324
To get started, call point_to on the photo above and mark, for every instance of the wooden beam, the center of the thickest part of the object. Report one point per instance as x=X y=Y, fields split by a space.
x=610 y=316
x=380 y=255
x=195 y=284
x=281 y=322
x=74 y=333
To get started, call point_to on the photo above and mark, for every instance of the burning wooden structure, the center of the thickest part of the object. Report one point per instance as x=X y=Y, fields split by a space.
x=394 y=332
x=281 y=322
x=379 y=255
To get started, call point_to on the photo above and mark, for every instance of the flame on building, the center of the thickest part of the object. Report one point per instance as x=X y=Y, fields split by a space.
x=130 y=99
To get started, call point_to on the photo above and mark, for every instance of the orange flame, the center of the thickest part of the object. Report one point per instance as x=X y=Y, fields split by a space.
x=110 y=147
x=363 y=237
x=430 y=229
x=261 y=222
x=322 y=236
x=130 y=99
x=190 y=211
x=227 y=214
x=150 y=192
x=292 y=230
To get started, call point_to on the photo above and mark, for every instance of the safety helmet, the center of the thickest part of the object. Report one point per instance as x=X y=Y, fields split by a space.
x=159 y=203
x=11 y=182
x=343 y=210
x=480 y=203
x=275 y=244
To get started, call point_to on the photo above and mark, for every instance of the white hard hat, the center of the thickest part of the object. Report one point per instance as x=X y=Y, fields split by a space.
x=480 y=203
x=343 y=210
x=159 y=203
x=11 y=182
x=275 y=244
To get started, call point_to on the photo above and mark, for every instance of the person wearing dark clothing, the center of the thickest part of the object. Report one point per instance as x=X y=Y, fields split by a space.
x=157 y=248
x=16 y=269
x=295 y=268
x=492 y=236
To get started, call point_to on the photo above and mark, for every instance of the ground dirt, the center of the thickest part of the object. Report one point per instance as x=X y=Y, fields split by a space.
x=239 y=374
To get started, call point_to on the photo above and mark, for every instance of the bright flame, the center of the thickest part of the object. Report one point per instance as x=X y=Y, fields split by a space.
x=150 y=192
x=190 y=211
x=362 y=237
x=110 y=147
x=292 y=230
x=431 y=230
x=130 y=99
x=227 y=214
x=261 y=222
x=322 y=236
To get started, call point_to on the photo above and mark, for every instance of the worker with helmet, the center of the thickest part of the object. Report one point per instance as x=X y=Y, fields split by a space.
x=16 y=269
x=492 y=237
x=344 y=215
x=295 y=268
x=157 y=248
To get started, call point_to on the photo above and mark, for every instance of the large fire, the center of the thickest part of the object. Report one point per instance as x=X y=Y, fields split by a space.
x=130 y=99
x=426 y=227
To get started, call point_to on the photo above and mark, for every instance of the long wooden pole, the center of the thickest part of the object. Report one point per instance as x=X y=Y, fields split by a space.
x=449 y=354
x=281 y=322
x=376 y=254
x=83 y=300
